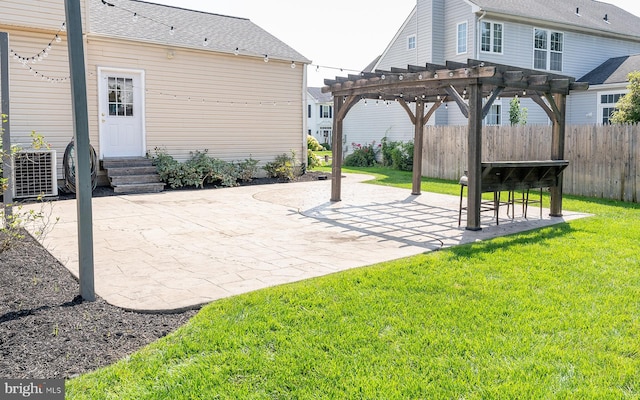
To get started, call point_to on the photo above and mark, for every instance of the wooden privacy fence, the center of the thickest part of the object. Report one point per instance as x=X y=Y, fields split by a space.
x=604 y=160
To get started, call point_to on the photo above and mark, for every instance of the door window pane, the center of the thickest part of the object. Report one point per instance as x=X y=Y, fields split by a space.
x=120 y=96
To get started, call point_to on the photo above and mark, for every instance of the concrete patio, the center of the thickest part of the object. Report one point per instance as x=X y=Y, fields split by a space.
x=181 y=249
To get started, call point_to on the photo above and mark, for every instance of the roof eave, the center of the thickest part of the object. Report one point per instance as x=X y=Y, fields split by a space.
x=564 y=26
x=95 y=35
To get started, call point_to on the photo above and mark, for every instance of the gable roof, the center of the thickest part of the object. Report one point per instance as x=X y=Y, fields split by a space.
x=614 y=70
x=320 y=97
x=154 y=22
x=591 y=14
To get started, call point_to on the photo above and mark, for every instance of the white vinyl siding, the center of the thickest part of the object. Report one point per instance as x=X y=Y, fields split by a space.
x=461 y=38
x=491 y=37
x=548 y=47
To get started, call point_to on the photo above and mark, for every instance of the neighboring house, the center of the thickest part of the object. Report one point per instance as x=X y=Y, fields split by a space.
x=607 y=84
x=158 y=77
x=319 y=114
x=568 y=38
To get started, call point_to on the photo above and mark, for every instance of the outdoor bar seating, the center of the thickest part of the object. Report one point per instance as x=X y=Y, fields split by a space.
x=511 y=176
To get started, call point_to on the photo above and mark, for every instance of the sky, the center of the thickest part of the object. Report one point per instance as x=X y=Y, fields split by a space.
x=339 y=34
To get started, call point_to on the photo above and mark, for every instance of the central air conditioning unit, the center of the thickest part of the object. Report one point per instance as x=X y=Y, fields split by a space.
x=35 y=174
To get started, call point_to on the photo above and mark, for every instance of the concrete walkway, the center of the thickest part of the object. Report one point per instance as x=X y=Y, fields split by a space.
x=181 y=249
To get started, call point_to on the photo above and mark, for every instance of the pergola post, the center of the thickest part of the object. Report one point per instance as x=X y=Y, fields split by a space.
x=474 y=158
x=557 y=152
x=417 y=148
x=336 y=149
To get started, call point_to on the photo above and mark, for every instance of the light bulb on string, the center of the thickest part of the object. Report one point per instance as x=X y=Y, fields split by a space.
x=172 y=31
x=64 y=26
x=236 y=51
x=205 y=43
x=58 y=39
x=266 y=58
x=135 y=17
x=293 y=64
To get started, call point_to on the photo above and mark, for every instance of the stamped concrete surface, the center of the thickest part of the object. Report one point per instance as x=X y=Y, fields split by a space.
x=180 y=249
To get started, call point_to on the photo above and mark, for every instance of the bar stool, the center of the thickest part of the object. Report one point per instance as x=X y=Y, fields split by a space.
x=525 y=201
x=484 y=205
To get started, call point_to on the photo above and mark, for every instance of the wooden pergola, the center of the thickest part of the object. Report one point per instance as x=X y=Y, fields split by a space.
x=473 y=86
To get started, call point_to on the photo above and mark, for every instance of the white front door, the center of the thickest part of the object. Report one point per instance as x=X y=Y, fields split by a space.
x=121 y=113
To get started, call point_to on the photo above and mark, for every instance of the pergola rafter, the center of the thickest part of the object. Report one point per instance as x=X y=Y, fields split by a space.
x=468 y=85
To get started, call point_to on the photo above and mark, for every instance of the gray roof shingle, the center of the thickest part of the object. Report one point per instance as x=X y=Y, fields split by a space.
x=154 y=22
x=320 y=97
x=563 y=12
x=614 y=70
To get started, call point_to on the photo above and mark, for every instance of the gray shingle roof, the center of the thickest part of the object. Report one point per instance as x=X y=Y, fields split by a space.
x=154 y=22
x=320 y=97
x=614 y=70
x=563 y=12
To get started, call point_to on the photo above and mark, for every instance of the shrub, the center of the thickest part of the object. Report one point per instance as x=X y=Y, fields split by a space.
x=196 y=171
x=326 y=146
x=363 y=155
x=402 y=157
x=312 y=159
x=247 y=169
x=313 y=144
x=387 y=149
x=283 y=167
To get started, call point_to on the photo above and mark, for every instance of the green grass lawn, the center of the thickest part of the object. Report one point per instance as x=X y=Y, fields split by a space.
x=550 y=313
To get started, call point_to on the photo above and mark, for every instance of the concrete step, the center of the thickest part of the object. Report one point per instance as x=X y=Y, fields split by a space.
x=132 y=175
x=111 y=162
x=123 y=171
x=139 y=188
x=130 y=179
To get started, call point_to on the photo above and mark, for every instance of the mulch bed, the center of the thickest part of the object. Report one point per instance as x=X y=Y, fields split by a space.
x=47 y=331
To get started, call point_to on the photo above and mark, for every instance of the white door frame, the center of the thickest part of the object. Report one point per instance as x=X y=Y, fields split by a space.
x=102 y=74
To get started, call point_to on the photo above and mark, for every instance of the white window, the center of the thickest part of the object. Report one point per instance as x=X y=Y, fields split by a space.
x=326 y=111
x=411 y=42
x=607 y=105
x=491 y=37
x=495 y=115
x=462 y=38
x=547 y=49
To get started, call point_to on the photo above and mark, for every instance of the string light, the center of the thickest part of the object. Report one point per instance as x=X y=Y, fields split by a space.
x=266 y=58
x=206 y=42
x=42 y=54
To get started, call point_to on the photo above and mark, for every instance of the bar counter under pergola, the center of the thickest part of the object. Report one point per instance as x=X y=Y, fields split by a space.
x=473 y=86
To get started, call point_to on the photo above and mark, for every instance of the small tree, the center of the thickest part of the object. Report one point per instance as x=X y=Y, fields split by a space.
x=628 y=107
x=517 y=114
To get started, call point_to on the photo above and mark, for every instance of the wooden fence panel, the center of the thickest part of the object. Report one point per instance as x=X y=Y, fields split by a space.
x=603 y=160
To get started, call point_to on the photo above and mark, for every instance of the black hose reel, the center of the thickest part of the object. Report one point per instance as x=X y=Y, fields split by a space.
x=69 y=163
